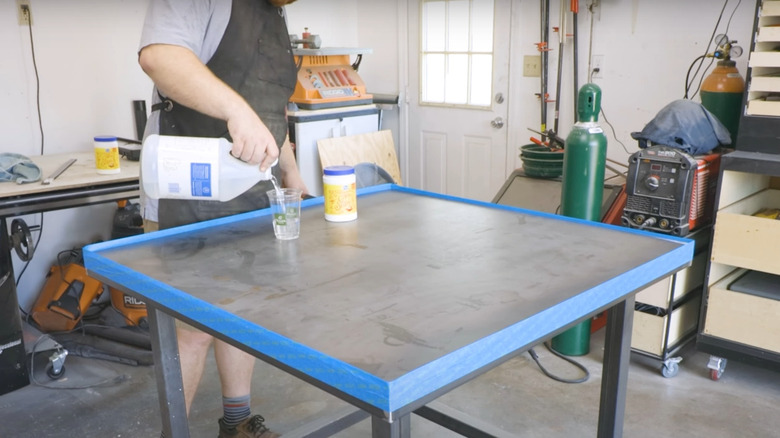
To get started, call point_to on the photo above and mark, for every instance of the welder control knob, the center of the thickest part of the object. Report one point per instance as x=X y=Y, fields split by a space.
x=652 y=182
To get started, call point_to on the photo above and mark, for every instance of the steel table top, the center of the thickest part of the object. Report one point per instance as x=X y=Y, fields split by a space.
x=417 y=293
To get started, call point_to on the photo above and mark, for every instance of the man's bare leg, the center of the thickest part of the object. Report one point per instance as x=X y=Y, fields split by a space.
x=193 y=348
x=235 y=369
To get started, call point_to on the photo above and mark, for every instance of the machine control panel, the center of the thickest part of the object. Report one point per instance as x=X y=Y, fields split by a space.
x=659 y=177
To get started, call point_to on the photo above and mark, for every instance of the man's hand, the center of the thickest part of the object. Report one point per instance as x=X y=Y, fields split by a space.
x=252 y=141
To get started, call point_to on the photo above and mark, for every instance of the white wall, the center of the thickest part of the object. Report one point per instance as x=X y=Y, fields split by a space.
x=647 y=48
x=86 y=54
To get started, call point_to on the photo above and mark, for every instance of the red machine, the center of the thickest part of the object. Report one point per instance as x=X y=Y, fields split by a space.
x=670 y=191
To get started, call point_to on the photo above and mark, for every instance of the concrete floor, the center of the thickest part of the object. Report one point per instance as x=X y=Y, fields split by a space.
x=121 y=401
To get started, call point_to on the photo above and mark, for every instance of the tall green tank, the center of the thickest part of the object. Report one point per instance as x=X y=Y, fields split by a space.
x=584 y=161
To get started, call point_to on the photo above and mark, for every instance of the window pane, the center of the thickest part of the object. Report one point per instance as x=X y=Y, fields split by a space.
x=481 y=80
x=456 y=90
x=482 y=26
x=433 y=78
x=458 y=26
x=434 y=25
x=456 y=60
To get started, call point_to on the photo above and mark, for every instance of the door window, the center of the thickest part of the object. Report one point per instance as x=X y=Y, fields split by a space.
x=456 y=57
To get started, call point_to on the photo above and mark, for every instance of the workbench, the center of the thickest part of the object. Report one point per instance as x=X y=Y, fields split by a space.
x=78 y=186
x=419 y=295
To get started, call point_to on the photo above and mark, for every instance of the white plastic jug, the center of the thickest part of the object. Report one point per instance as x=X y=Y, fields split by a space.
x=175 y=167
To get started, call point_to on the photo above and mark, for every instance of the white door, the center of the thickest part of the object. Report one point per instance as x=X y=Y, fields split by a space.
x=458 y=84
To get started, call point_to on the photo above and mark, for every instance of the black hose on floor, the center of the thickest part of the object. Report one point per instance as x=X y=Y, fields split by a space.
x=535 y=357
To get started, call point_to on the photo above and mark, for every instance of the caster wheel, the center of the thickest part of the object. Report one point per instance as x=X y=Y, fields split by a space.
x=671 y=367
x=670 y=370
x=53 y=375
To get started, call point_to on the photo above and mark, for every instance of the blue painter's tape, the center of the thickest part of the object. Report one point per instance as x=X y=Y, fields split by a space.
x=443 y=371
x=340 y=375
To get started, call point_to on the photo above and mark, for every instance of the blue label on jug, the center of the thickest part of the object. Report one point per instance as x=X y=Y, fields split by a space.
x=200 y=179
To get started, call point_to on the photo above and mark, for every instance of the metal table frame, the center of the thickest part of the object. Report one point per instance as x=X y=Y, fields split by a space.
x=389 y=402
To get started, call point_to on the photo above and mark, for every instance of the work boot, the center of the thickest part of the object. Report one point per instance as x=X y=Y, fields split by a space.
x=252 y=427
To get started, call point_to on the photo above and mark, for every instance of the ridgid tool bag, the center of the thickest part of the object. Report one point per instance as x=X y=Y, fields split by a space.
x=66 y=296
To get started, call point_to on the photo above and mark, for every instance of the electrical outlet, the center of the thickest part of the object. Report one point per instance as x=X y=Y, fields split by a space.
x=532 y=66
x=24 y=12
x=597 y=67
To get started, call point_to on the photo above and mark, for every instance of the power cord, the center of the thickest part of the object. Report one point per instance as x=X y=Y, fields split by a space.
x=535 y=357
x=37 y=77
x=26 y=11
x=612 y=128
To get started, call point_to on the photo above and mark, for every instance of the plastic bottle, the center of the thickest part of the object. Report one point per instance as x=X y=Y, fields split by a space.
x=106 y=154
x=339 y=188
x=174 y=167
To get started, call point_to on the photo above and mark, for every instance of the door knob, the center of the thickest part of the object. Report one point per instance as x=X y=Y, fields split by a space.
x=497 y=123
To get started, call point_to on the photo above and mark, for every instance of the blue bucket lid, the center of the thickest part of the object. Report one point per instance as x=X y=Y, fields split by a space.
x=105 y=138
x=339 y=170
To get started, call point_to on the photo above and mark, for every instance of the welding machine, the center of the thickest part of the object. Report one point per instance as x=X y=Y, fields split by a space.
x=670 y=191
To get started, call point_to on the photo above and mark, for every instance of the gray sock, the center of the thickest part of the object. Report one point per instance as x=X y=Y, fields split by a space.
x=236 y=410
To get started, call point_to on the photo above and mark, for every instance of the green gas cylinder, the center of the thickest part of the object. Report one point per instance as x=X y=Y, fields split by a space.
x=584 y=161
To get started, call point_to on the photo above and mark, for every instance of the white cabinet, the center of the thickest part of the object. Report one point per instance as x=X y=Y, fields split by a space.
x=306 y=127
x=666 y=314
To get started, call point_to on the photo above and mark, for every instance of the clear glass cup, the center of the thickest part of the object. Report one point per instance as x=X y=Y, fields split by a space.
x=286 y=212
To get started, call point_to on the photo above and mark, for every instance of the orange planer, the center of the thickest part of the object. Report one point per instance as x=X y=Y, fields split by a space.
x=326 y=79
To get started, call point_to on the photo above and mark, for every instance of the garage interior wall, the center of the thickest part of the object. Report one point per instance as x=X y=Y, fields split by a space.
x=85 y=52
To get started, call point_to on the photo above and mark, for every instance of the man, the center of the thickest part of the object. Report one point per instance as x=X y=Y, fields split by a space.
x=221 y=68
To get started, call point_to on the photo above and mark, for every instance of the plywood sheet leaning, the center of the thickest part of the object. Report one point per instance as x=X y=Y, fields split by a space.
x=373 y=147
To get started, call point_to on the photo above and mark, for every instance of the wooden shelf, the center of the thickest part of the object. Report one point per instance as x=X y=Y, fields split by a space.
x=741 y=317
x=747 y=241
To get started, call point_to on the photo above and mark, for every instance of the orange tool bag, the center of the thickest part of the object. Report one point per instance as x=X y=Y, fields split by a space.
x=133 y=309
x=66 y=296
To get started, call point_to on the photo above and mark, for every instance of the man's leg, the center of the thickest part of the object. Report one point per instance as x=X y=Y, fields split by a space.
x=235 y=372
x=235 y=369
x=193 y=348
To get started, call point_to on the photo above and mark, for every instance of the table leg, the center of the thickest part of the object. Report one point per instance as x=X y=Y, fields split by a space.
x=614 y=376
x=400 y=428
x=168 y=372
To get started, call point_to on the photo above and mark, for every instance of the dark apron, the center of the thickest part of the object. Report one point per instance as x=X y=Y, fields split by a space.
x=255 y=59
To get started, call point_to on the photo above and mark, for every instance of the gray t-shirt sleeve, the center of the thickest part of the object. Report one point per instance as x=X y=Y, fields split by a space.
x=195 y=24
